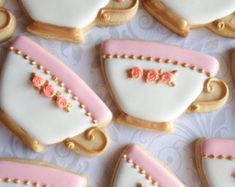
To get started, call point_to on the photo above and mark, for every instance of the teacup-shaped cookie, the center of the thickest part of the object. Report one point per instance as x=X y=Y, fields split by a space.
x=30 y=173
x=70 y=19
x=180 y=16
x=137 y=168
x=43 y=102
x=153 y=84
x=215 y=160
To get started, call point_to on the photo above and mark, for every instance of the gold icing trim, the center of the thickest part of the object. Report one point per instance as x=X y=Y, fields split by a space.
x=60 y=83
x=156 y=60
x=93 y=136
x=23 y=182
x=168 y=18
x=201 y=105
x=224 y=26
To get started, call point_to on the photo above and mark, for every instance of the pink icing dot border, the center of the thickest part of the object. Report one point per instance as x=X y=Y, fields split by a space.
x=19 y=169
x=216 y=147
x=152 y=167
x=155 y=50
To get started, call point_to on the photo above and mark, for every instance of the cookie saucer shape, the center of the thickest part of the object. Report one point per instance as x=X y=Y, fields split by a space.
x=43 y=102
x=215 y=160
x=70 y=19
x=30 y=173
x=153 y=84
x=180 y=16
x=136 y=168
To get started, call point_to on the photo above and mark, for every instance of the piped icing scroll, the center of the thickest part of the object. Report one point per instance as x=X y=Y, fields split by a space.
x=136 y=168
x=215 y=160
x=142 y=76
x=57 y=87
x=27 y=173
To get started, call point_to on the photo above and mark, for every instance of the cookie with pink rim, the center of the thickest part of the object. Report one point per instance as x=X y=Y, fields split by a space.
x=181 y=17
x=82 y=15
x=136 y=168
x=153 y=84
x=43 y=102
x=29 y=173
x=215 y=161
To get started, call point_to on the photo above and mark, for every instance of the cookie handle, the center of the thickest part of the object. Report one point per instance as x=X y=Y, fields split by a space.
x=92 y=142
x=214 y=96
x=117 y=12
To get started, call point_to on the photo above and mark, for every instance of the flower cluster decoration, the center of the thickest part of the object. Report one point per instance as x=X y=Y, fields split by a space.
x=49 y=91
x=152 y=75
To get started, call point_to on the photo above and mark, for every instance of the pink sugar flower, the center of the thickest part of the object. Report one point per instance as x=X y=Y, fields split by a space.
x=151 y=75
x=61 y=102
x=135 y=72
x=38 y=81
x=48 y=91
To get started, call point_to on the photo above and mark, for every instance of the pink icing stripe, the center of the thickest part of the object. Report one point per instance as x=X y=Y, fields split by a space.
x=217 y=147
x=157 y=50
x=92 y=102
x=153 y=168
x=40 y=174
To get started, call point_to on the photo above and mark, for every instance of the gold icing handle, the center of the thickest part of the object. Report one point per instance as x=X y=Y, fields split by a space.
x=117 y=12
x=213 y=96
x=92 y=142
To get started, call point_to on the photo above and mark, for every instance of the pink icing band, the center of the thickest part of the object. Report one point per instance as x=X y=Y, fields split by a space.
x=92 y=102
x=153 y=168
x=218 y=147
x=40 y=174
x=157 y=50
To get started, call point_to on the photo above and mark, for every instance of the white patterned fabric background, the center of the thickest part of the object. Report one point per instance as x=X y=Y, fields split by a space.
x=177 y=148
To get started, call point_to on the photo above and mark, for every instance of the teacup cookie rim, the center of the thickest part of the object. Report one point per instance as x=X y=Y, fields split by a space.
x=16 y=176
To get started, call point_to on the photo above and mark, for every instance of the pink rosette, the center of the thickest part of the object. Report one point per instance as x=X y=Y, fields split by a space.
x=151 y=75
x=61 y=102
x=48 y=91
x=136 y=72
x=38 y=81
x=167 y=77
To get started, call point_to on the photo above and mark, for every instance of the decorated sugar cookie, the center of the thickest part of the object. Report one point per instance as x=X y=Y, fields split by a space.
x=7 y=23
x=29 y=173
x=180 y=16
x=153 y=84
x=72 y=18
x=136 y=168
x=215 y=162
x=43 y=102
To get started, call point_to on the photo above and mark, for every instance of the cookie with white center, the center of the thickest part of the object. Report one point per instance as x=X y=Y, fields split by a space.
x=136 y=168
x=43 y=102
x=181 y=17
x=153 y=84
x=82 y=15
x=215 y=162
x=29 y=173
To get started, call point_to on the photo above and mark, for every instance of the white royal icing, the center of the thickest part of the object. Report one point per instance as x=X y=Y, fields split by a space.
x=4 y=184
x=72 y=13
x=37 y=114
x=197 y=12
x=151 y=101
x=219 y=173
x=129 y=176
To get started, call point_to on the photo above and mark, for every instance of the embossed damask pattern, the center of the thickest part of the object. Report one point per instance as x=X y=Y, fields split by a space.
x=177 y=148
